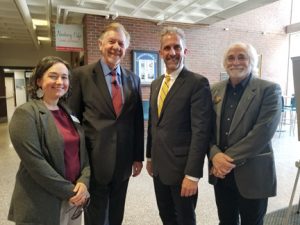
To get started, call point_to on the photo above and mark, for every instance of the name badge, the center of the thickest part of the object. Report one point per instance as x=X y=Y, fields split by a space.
x=74 y=118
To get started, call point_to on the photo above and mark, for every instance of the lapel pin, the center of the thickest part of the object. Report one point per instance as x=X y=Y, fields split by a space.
x=217 y=99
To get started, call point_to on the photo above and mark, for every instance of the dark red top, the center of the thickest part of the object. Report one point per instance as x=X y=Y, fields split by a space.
x=71 y=144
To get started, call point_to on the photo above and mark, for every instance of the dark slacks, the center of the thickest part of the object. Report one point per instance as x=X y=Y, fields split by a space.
x=174 y=209
x=107 y=203
x=232 y=206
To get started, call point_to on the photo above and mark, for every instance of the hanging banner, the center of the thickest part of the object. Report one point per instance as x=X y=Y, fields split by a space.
x=69 y=38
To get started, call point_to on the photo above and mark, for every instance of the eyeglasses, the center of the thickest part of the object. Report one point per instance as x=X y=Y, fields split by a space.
x=79 y=209
x=239 y=58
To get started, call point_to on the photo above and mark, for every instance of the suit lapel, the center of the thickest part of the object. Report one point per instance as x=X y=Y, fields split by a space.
x=100 y=82
x=49 y=132
x=127 y=84
x=156 y=87
x=79 y=131
x=243 y=105
x=218 y=101
x=172 y=92
x=174 y=89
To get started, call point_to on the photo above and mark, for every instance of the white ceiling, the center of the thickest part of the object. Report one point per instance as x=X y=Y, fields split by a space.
x=16 y=15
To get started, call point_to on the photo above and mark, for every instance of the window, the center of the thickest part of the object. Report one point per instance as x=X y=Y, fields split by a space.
x=295 y=11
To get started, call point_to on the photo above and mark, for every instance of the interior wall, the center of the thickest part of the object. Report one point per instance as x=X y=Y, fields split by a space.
x=26 y=55
x=262 y=27
x=20 y=87
x=10 y=96
x=296 y=72
x=3 y=107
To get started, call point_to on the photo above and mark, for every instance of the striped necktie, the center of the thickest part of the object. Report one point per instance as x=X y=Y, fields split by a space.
x=163 y=92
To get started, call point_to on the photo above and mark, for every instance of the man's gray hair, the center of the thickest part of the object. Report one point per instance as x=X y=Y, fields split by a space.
x=173 y=30
x=250 y=51
x=116 y=27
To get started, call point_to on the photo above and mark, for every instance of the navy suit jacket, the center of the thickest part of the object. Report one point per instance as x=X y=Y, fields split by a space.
x=113 y=143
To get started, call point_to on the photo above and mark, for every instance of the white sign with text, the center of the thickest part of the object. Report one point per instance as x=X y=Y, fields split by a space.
x=69 y=37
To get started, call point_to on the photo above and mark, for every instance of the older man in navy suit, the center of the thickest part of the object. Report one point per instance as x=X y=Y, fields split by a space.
x=106 y=98
x=247 y=114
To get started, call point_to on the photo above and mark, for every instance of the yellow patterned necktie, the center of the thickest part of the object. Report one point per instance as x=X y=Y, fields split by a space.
x=163 y=92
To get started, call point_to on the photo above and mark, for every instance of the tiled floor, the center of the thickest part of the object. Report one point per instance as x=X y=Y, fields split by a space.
x=140 y=205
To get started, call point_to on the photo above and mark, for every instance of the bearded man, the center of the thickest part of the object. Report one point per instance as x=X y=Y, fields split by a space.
x=242 y=160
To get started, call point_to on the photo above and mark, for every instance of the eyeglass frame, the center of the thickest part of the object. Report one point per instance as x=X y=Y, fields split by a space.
x=79 y=209
x=239 y=58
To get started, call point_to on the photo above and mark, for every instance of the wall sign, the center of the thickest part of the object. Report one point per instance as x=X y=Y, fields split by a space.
x=69 y=37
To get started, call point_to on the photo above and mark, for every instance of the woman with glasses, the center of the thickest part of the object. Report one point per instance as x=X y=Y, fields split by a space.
x=52 y=181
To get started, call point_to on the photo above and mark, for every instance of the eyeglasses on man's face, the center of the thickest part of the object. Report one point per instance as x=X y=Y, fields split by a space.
x=239 y=58
x=79 y=209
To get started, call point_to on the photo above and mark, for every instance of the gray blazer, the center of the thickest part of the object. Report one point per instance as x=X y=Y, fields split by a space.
x=178 y=140
x=252 y=128
x=40 y=184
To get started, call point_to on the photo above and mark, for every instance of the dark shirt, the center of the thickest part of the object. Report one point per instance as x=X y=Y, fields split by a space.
x=230 y=103
x=71 y=144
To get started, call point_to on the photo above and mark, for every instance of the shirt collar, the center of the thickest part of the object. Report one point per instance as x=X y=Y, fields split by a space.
x=175 y=73
x=243 y=83
x=107 y=70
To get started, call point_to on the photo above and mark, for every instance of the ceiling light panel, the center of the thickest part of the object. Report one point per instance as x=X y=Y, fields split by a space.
x=38 y=22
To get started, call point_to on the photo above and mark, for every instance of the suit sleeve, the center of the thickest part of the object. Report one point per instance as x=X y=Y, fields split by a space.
x=84 y=160
x=149 y=134
x=201 y=116
x=214 y=149
x=139 y=125
x=75 y=100
x=263 y=130
x=25 y=139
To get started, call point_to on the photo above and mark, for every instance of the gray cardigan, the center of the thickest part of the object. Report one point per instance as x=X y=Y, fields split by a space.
x=40 y=184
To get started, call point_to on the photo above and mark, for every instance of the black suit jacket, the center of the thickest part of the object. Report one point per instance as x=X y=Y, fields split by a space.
x=178 y=140
x=113 y=142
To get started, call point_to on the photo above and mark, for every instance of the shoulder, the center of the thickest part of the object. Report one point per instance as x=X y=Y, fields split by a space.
x=26 y=108
x=192 y=75
x=217 y=90
x=86 y=69
x=30 y=106
x=26 y=113
x=264 y=84
x=193 y=79
x=218 y=85
x=157 y=81
x=131 y=76
x=34 y=107
x=129 y=73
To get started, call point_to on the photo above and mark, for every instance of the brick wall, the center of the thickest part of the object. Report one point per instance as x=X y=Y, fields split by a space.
x=263 y=27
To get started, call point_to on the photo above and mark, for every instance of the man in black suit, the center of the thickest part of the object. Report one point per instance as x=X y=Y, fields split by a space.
x=178 y=132
x=106 y=98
